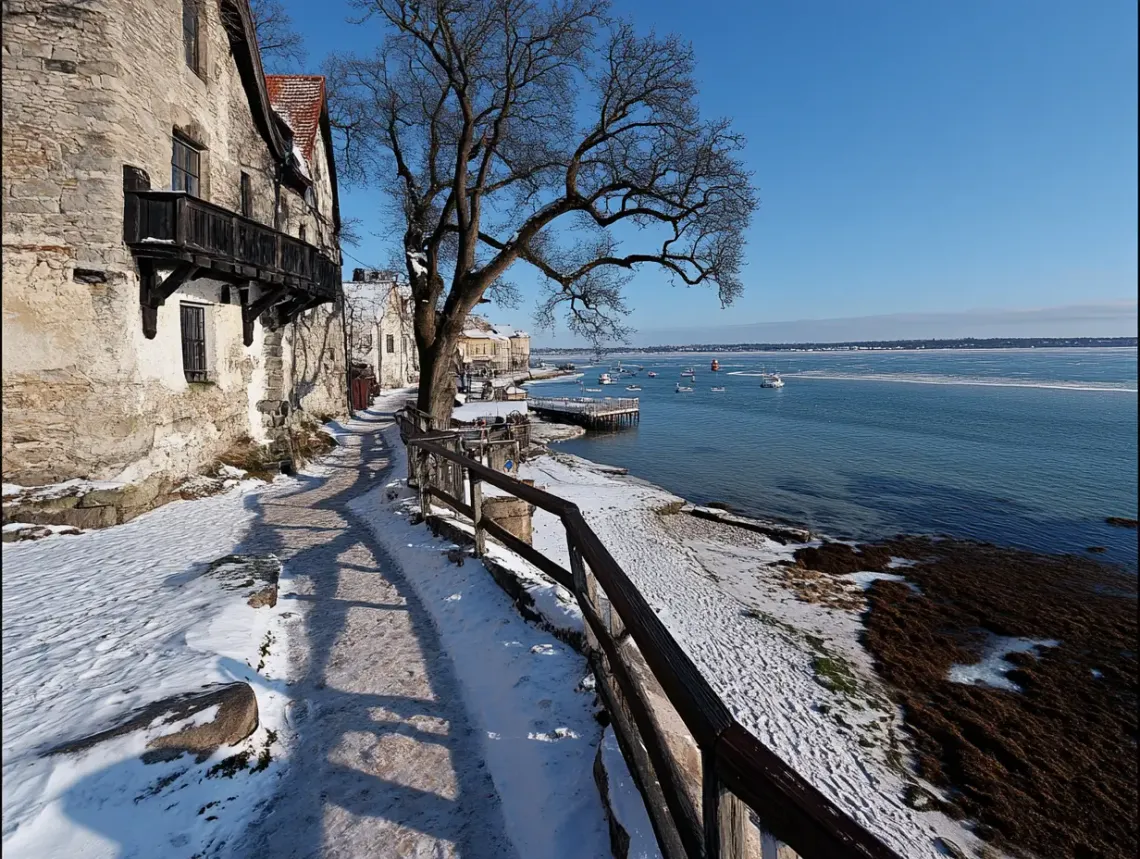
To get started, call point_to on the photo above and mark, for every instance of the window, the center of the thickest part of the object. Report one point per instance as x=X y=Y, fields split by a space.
x=309 y=198
x=190 y=40
x=194 y=342
x=246 y=196
x=185 y=167
x=391 y=343
x=302 y=233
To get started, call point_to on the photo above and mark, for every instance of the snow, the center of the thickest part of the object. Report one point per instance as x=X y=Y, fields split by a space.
x=473 y=411
x=418 y=259
x=518 y=683
x=721 y=593
x=991 y=669
x=626 y=802
x=98 y=624
x=302 y=163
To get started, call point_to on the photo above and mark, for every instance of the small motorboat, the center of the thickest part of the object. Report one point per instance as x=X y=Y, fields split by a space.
x=682 y=389
x=715 y=365
x=772 y=380
x=718 y=390
x=593 y=390
x=605 y=379
x=633 y=387
x=652 y=375
x=690 y=373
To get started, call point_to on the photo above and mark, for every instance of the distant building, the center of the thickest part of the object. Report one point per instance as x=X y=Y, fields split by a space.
x=380 y=327
x=171 y=253
x=489 y=349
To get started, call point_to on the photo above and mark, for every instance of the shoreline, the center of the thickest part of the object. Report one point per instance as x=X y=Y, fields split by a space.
x=871 y=608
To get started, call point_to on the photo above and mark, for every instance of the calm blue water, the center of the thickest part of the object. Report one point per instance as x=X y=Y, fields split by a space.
x=1030 y=448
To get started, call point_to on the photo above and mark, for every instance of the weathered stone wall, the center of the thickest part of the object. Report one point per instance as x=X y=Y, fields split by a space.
x=400 y=367
x=88 y=88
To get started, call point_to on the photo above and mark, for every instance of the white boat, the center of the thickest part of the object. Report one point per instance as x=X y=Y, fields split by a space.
x=772 y=380
x=605 y=379
x=633 y=387
x=690 y=373
x=652 y=375
x=718 y=390
x=681 y=389
x=593 y=390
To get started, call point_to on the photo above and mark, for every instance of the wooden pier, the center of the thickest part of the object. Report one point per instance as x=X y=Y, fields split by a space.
x=590 y=412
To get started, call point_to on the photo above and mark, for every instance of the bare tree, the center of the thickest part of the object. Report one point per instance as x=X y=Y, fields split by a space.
x=282 y=48
x=542 y=132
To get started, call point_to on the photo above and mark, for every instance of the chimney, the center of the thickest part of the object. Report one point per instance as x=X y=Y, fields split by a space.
x=358 y=275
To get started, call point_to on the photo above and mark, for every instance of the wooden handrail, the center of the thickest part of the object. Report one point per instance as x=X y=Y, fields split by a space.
x=733 y=758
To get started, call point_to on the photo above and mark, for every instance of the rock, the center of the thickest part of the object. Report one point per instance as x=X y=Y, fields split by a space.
x=1120 y=521
x=264 y=597
x=257 y=575
x=235 y=720
x=76 y=517
x=455 y=556
x=35 y=532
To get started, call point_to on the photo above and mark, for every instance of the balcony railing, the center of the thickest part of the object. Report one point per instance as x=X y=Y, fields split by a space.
x=175 y=225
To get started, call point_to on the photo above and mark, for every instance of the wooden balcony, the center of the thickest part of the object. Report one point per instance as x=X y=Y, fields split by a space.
x=173 y=231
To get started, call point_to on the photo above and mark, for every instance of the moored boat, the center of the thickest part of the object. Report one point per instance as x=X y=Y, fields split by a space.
x=652 y=375
x=681 y=389
x=605 y=379
x=715 y=365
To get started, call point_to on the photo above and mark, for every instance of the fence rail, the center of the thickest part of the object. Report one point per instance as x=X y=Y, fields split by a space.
x=737 y=771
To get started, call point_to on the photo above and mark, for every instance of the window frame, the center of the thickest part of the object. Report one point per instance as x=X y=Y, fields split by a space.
x=193 y=188
x=390 y=343
x=303 y=233
x=192 y=35
x=246 y=194
x=194 y=340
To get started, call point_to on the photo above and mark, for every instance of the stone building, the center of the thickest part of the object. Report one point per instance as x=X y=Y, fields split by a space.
x=380 y=326
x=170 y=240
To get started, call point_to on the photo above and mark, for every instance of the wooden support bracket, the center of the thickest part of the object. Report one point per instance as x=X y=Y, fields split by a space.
x=250 y=312
x=153 y=292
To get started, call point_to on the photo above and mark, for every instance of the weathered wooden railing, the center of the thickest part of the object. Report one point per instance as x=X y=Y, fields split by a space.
x=737 y=771
x=424 y=422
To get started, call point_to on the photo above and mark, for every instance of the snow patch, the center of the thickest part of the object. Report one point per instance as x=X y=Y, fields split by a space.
x=626 y=802
x=992 y=668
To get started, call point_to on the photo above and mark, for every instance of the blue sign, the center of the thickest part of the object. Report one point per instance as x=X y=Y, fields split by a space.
x=509 y=464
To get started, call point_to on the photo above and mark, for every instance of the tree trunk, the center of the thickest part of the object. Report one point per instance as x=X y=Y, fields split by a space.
x=437 y=379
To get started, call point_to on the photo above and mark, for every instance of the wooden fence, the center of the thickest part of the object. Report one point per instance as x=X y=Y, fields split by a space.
x=737 y=771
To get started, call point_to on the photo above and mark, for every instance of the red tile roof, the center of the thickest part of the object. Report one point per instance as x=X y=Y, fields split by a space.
x=298 y=100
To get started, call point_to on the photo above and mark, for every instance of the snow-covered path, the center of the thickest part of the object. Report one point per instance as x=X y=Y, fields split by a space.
x=387 y=762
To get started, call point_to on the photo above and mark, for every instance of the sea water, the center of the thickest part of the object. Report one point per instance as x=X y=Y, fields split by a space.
x=1029 y=448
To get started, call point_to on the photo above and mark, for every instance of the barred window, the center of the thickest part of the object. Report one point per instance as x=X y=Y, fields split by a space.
x=185 y=166
x=391 y=343
x=194 y=342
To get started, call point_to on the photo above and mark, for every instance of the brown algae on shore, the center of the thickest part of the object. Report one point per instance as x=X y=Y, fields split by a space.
x=1048 y=762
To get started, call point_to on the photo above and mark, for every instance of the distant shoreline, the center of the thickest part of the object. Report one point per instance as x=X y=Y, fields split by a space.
x=980 y=344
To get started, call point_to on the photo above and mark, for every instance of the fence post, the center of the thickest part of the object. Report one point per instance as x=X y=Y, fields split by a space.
x=422 y=482
x=725 y=817
x=477 y=515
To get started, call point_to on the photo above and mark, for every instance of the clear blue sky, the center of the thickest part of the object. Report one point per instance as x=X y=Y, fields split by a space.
x=911 y=156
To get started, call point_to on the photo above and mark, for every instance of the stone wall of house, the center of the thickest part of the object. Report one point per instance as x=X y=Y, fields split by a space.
x=399 y=366
x=88 y=88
